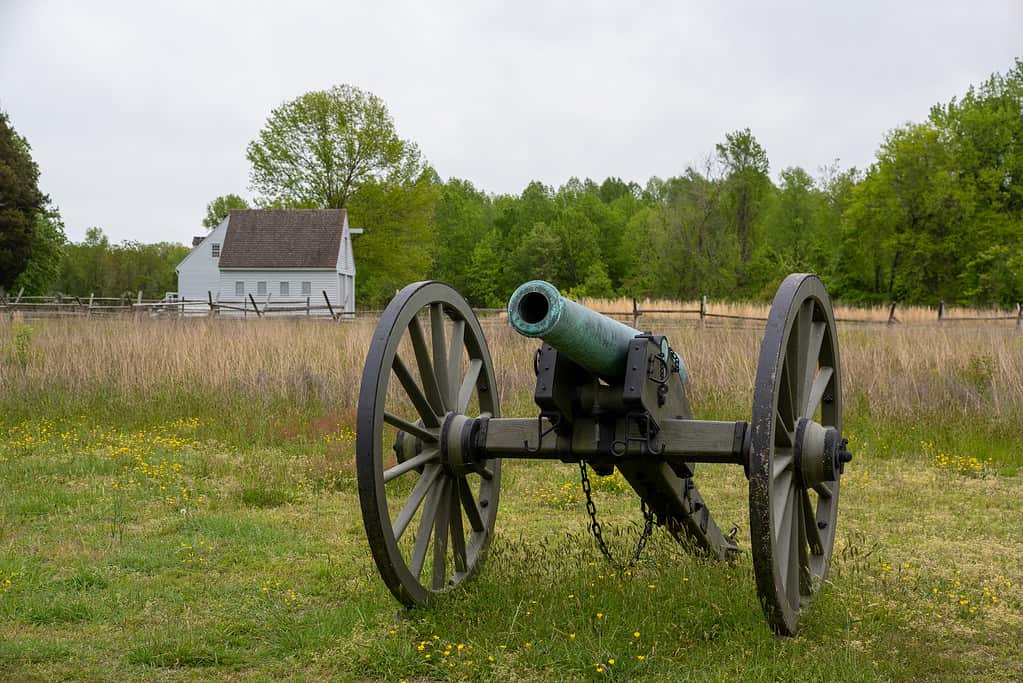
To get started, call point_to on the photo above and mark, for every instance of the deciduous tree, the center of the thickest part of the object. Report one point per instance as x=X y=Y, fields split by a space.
x=219 y=208
x=317 y=150
x=746 y=184
x=21 y=202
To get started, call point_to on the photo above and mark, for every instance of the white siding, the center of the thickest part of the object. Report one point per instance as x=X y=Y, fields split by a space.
x=346 y=270
x=320 y=281
x=198 y=272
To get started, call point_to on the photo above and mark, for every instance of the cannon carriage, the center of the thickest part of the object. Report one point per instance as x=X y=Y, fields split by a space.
x=431 y=438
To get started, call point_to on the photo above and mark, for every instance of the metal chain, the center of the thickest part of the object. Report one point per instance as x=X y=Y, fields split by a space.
x=598 y=531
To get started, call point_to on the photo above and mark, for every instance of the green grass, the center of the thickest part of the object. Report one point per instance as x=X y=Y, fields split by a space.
x=138 y=547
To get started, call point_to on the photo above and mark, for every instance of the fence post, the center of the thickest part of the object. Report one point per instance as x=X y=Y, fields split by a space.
x=307 y=311
x=18 y=298
x=635 y=313
x=209 y=295
x=329 y=307
x=1019 y=316
x=703 y=312
x=941 y=311
x=254 y=306
x=891 y=314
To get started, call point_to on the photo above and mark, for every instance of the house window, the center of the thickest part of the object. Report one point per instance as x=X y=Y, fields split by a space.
x=284 y=288
x=261 y=287
x=239 y=288
x=307 y=288
x=215 y=250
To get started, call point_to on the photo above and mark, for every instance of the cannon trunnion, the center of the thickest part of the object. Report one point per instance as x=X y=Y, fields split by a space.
x=431 y=440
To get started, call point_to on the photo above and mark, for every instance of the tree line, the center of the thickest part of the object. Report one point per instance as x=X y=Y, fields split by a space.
x=937 y=216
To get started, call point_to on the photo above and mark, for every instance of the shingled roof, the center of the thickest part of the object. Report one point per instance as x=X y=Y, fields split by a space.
x=273 y=238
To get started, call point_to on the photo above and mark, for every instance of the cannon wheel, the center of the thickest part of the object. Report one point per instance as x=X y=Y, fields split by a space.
x=792 y=527
x=428 y=521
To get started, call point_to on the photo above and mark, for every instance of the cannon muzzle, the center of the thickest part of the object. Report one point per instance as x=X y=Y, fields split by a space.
x=593 y=341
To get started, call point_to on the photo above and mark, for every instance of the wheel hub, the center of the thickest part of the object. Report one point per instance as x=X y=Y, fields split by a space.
x=458 y=437
x=820 y=452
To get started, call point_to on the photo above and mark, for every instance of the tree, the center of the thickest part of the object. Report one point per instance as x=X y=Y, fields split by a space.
x=219 y=208
x=44 y=264
x=939 y=214
x=463 y=218
x=21 y=202
x=397 y=247
x=316 y=151
x=795 y=232
x=746 y=184
x=94 y=266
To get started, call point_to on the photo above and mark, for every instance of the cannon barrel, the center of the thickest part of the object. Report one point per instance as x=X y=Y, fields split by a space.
x=595 y=342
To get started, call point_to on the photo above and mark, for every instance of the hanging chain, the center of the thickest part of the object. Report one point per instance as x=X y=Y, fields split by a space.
x=598 y=531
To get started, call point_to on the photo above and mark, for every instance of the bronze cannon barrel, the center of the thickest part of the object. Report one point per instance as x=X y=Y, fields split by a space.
x=594 y=341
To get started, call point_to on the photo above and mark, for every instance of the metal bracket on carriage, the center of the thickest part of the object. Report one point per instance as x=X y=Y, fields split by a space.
x=647 y=428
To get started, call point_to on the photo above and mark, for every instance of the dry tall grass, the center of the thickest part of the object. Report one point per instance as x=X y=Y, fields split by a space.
x=896 y=371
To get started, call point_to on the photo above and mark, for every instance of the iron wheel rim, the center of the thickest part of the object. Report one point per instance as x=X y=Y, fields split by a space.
x=798 y=376
x=445 y=498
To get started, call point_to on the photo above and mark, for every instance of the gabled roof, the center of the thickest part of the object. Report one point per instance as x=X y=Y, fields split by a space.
x=278 y=238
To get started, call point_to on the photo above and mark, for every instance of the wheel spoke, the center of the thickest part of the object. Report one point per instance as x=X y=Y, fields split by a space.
x=423 y=535
x=820 y=383
x=780 y=503
x=414 y=393
x=782 y=430
x=813 y=537
x=802 y=576
x=472 y=508
x=799 y=343
x=792 y=568
x=440 y=350
x=410 y=464
x=468 y=384
x=440 y=535
x=815 y=337
x=823 y=490
x=457 y=534
x=426 y=372
x=415 y=499
x=786 y=404
x=409 y=428
x=456 y=346
x=782 y=462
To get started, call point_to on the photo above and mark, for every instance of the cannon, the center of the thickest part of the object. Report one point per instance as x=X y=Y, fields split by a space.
x=430 y=437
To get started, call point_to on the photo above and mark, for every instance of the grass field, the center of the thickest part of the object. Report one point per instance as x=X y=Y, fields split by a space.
x=177 y=502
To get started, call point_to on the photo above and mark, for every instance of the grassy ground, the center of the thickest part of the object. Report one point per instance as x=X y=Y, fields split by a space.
x=171 y=514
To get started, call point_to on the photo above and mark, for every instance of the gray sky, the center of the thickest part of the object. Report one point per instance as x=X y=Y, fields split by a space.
x=139 y=112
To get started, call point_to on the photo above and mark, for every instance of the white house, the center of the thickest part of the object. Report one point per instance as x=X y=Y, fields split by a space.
x=274 y=255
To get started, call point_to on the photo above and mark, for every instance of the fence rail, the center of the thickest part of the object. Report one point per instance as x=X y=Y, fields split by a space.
x=66 y=306
x=61 y=305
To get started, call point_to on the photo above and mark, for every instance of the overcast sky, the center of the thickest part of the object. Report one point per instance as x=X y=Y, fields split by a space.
x=139 y=113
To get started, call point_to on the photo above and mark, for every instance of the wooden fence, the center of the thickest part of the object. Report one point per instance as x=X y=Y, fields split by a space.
x=60 y=306
x=703 y=316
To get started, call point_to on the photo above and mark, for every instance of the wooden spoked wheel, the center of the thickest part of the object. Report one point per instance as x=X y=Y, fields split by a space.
x=796 y=451
x=429 y=520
